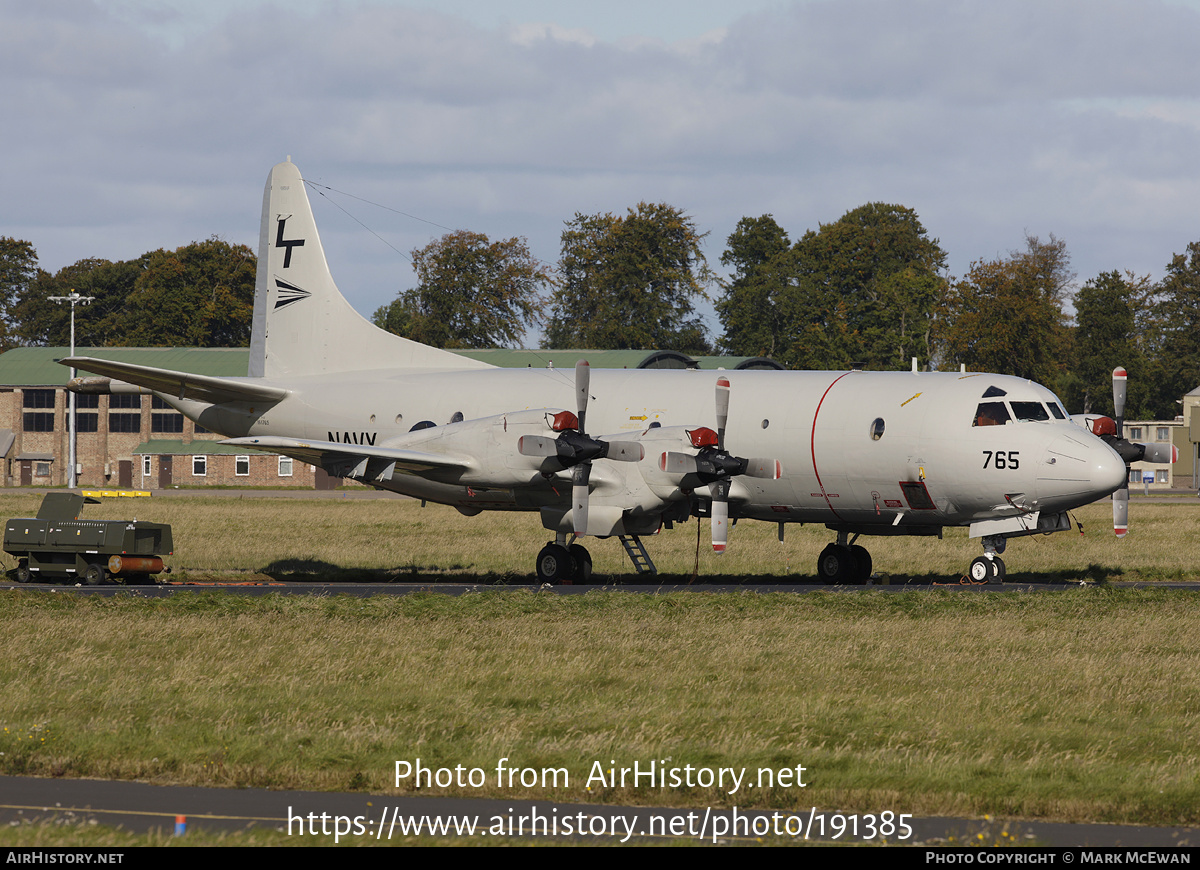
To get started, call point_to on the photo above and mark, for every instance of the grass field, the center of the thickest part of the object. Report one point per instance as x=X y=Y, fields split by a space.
x=1079 y=705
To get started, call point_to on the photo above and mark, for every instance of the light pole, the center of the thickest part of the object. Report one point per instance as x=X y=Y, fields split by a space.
x=74 y=298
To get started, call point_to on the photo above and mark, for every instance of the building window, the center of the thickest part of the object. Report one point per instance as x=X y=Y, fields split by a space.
x=241 y=465
x=39 y=399
x=168 y=420
x=1135 y=432
x=1163 y=433
x=199 y=466
x=146 y=465
x=41 y=469
x=124 y=422
x=89 y=419
x=166 y=423
x=1135 y=475
x=128 y=401
x=37 y=422
x=285 y=466
x=200 y=430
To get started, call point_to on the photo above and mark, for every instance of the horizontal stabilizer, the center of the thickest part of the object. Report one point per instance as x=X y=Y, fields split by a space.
x=181 y=385
x=358 y=461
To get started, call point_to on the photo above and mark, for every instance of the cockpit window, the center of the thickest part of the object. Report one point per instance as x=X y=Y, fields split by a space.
x=1057 y=411
x=993 y=392
x=1030 y=412
x=991 y=414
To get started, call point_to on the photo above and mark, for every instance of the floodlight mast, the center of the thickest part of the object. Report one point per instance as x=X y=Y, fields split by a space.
x=74 y=298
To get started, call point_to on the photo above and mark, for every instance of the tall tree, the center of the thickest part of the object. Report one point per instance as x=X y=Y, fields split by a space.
x=876 y=275
x=199 y=295
x=42 y=322
x=18 y=268
x=759 y=252
x=1175 y=348
x=1006 y=316
x=471 y=292
x=630 y=282
x=1108 y=312
x=861 y=289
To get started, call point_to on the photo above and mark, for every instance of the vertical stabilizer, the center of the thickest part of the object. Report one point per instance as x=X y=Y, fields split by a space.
x=302 y=324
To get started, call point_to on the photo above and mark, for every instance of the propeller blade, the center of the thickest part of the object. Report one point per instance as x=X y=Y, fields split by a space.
x=625 y=451
x=757 y=466
x=1120 y=387
x=722 y=410
x=579 y=498
x=720 y=524
x=1121 y=510
x=537 y=445
x=583 y=381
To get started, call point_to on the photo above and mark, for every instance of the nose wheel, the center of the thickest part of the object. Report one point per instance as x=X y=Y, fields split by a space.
x=987 y=569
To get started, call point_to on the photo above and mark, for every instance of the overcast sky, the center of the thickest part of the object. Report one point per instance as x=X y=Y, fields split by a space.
x=133 y=125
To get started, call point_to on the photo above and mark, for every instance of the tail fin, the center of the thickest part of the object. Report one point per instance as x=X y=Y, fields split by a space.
x=302 y=324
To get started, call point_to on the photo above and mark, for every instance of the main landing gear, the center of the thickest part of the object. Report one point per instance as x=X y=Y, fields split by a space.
x=563 y=563
x=844 y=563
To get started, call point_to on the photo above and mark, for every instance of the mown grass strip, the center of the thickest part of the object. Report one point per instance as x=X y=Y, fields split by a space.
x=1078 y=706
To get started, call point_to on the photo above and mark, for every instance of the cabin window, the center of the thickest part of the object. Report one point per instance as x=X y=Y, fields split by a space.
x=1030 y=412
x=877 y=429
x=991 y=414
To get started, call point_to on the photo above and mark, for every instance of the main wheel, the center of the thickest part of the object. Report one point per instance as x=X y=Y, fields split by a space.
x=836 y=564
x=997 y=570
x=862 y=563
x=23 y=574
x=583 y=563
x=555 y=565
x=95 y=575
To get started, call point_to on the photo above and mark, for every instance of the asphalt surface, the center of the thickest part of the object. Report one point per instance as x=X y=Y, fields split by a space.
x=318 y=816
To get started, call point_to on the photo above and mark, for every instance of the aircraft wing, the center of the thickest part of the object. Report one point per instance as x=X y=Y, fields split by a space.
x=182 y=385
x=359 y=461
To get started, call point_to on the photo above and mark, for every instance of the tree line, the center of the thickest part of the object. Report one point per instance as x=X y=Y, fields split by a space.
x=871 y=288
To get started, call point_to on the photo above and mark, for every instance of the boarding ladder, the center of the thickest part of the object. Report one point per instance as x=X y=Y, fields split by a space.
x=637 y=554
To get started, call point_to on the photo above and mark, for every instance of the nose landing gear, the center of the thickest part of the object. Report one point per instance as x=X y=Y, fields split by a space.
x=989 y=568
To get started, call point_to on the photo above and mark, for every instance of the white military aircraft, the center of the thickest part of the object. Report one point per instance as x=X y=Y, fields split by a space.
x=865 y=453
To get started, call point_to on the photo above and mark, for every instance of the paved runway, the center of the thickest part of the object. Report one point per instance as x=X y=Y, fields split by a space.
x=142 y=807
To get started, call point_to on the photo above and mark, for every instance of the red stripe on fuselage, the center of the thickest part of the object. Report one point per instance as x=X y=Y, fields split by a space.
x=813 y=443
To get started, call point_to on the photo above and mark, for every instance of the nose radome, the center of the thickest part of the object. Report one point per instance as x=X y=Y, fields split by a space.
x=1079 y=467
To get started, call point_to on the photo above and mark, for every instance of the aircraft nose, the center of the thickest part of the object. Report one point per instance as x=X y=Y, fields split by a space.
x=1079 y=468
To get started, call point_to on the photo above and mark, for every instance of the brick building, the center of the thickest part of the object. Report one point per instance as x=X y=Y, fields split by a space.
x=124 y=439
